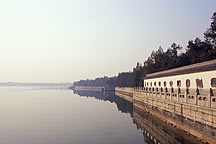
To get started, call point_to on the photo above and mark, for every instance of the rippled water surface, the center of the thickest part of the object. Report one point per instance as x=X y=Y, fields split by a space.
x=43 y=115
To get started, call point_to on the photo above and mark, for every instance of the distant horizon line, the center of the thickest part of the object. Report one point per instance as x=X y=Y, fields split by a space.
x=35 y=84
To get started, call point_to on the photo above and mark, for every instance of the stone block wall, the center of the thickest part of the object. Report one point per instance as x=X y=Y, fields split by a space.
x=191 y=105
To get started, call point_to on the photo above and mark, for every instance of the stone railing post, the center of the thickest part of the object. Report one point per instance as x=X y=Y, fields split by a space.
x=196 y=96
x=178 y=93
x=210 y=95
x=171 y=93
x=186 y=95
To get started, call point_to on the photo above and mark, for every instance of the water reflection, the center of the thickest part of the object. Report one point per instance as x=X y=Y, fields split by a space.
x=154 y=130
x=31 y=115
x=159 y=131
x=123 y=105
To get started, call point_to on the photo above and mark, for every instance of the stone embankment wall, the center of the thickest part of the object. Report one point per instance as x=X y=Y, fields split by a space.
x=89 y=88
x=194 y=117
x=126 y=93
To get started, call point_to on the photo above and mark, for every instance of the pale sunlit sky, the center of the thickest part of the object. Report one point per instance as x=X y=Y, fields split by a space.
x=67 y=40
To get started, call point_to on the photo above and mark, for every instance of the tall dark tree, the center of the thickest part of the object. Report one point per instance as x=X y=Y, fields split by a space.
x=210 y=34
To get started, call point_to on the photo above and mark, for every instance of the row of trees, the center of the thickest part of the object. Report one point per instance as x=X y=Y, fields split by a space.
x=96 y=82
x=197 y=51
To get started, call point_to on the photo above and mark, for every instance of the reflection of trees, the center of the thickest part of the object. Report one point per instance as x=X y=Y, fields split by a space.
x=96 y=94
x=154 y=130
x=123 y=105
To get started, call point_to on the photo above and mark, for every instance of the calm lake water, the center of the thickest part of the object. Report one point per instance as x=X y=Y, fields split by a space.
x=51 y=115
x=48 y=115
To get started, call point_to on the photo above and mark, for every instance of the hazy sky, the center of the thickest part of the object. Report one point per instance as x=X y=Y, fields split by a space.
x=67 y=40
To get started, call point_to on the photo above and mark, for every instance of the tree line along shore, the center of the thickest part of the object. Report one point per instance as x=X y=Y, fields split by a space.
x=175 y=56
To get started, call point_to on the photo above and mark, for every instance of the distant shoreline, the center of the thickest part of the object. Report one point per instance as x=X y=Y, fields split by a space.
x=35 y=84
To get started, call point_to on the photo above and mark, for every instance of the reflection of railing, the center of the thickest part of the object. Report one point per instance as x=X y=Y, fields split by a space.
x=191 y=104
x=158 y=131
